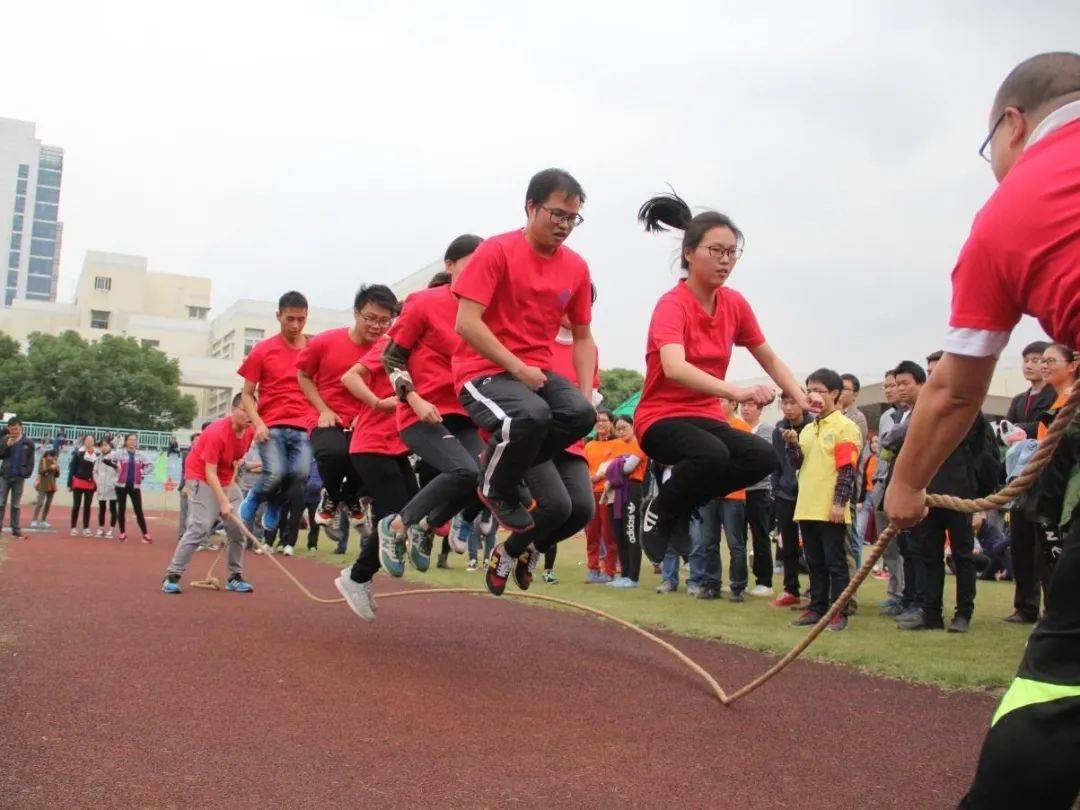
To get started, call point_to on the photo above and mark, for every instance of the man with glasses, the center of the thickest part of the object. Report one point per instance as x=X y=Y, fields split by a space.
x=320 y=367
x=1021 y=257
x=512 y=297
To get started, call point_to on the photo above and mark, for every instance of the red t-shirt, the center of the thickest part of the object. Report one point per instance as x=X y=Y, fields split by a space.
x=1023 y=253
x=426 y=328
x=525 y=295
x=272 y=367
x=708 y=340
x=376 y=431
x=325 y=358
x=562 y=363
x=219 y=445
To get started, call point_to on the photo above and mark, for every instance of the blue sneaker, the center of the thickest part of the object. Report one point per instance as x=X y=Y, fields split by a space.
x=248 y=507
x=603 y=579
x=888 y=603
x=593 y=578
x=623 y=582
x=271 y=516
x=238 y=585
x=171 y=585
x=391 y=548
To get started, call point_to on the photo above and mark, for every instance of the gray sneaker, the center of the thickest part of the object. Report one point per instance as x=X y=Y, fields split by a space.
x=420 y=541
x=358 y=595
x=693 y=589
x=667 y=586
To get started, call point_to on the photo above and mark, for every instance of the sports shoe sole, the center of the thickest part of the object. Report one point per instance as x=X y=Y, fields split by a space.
x=513 y=529
x=341 y=590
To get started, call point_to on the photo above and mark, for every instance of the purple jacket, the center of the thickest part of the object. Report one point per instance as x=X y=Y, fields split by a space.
x=619 y=483
x=141 y=468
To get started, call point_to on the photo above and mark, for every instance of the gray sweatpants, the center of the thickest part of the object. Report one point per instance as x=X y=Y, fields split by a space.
x=891 y=555
x=202 y=514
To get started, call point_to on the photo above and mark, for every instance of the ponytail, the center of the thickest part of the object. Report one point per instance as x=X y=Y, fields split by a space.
x=672 y=211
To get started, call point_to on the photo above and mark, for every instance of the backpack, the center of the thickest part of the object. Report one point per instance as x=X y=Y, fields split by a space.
x=986 y=461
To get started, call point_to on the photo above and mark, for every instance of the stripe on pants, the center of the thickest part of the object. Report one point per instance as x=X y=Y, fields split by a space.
x=504 y=434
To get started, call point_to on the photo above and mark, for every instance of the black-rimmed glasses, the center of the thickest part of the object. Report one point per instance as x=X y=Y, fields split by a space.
x=559 y=217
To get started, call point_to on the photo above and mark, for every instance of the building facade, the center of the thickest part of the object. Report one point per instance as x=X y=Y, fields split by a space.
x=30 y=177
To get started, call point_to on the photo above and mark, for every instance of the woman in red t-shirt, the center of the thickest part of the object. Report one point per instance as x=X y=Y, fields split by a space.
x=694 y=327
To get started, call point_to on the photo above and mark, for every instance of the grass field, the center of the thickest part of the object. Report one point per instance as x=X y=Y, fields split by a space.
x=986 y=657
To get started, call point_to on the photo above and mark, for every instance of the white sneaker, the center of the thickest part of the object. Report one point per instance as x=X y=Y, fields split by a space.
x=258 y=549
x=761 y=590
x=108 y=533
x=87 y=533
x=359 y=596
x=100 y=532
x=44 y=524
x=74 y=532
x=287 y=551
x=33 y=524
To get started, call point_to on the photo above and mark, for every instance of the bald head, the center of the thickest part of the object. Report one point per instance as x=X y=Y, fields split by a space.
x=1040 y=84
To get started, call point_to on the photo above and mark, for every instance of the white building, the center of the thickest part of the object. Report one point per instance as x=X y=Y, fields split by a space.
x=30 y=175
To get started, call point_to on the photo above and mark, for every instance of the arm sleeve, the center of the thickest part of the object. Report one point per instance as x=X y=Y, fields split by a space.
x=579 y=307
x=982 y=298
x=395 y=360
x=748 y=332
x=310 y=357
x=668 y=324
x=251 y=368
x=482 y=274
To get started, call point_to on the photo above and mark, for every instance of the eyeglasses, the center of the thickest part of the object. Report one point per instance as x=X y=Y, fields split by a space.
x=719 y=252
x=983 y=153
x=558 y=216
x=372 y=320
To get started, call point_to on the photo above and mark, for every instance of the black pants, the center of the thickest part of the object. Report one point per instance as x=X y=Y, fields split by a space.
x=122 y=495
x=789 y=544
x=710 y=459
x=826 y=553
x=451 y=450
x=101 y=514
x=527 y=427
x=1030 y=754
x=1031 y=564
x=291 y=500
x=81 y=498
x=931 y=538
x=627 y=529
x=564 y=503
x=914 y=574
x=759 y=517
x=330 y=446
x=390 y=482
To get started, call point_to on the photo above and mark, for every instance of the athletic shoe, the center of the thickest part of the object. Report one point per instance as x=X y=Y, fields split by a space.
x=525 y=566
x=487 y=522
x=473 y=565
x=550 y=578
x=457 y=545
x=238 y=584
x=737 y=596
x=248 y=508
x=525 y=497
x=807 y=619
x=908 y=615
x=123 y=537
x=707 y=592
x=667 y=586
x=44 y=524
x=271 y=518
x=87 y=533
x=892 y=611
x=1019 y=618
x=920 y=621
x=33 y=524
x=74 y=532
x=603 y=578
x=359 y=596
x=341 y=549
x=147 y=539
x=359 y=510
x=595 y=578
x=510 y=515
x=18 y=535
x=171 y=584
x=109 y=533
x=391 y=548
x=442 y=563
x=287 y=551
x=100 y=533
x=499 y=567
x=623 y=582
x=419 y=541
x=837 y=623
x=693 y=588
x=785 y=600
x=888 y=603
x=327 y=509
x=761 y=590
x=959 y=624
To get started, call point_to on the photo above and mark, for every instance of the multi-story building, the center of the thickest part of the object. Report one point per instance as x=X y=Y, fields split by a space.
x=30 y=175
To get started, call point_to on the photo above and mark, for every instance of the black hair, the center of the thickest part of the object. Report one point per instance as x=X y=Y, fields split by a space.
x=1036 y=347
x=544 y=184
x=49 y=452
x=827 y=377
x=625 y=417
x=672 y=211
x=14 y=421
x=592 y=291
x=463 y=246
x=440 y=279
x=912 y=368
x=237 y=401
x=292 y=300
x=933 y=357
x=851 y=378
x=605 y=412
x=378 y=294
x=890 y=372
x=129 y=435
x=1039 y=80
x=1066 y=352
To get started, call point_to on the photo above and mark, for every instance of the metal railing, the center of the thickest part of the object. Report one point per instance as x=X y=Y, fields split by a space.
x=46 y=432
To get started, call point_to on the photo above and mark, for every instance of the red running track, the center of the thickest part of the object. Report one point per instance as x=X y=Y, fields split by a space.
x=115 y=695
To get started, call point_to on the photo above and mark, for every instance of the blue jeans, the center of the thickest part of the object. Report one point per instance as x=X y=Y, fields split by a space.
x=733 y=516
x=705 y=566
x=669 y=568
x=286 y=454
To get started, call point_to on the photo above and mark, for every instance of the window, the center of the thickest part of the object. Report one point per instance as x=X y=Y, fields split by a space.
x=51 y=160
x=251 y=337
x=33 y=296
x=48 y=195
x=198 y=313
x=39 y=284
x=13 y=259
x=99 y=319
x=42 y=247
x=24 y=170
x=44 y=211
x=16 y=241
x=45 y=230
x=40 y=267
x=150 y=344
x=20 y=186
x=20 y=204
x=9 y=296
x=102 y=283
x=13 y=278
x=17 y=222
x=48 y=177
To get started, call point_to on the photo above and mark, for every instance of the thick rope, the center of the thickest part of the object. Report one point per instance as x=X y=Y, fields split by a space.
x=998 y=500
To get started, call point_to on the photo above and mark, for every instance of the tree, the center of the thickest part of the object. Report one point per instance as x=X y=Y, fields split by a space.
x=113 y=381
x=618 y=385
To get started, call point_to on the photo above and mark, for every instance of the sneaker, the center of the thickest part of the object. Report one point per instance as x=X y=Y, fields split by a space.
x=271 y=516
x=359 y=596
x=327 y=509
x=707 y=592
x=248 y=508
x=959 y=624
x=1019 y=618
x=359 y=513
x=391 y=548
x=908 y=614
x=442 y=561
x=100 y=533
x=473 y=565
x=693 y=588
x=525 y=566
x=171 y=584
x=340 y=549
x=500 y=565
x=837 y=623
x=603 y=578
x=109 y=533
x=147 y=539
x=892 y=611
x=737 y=596
x=333 y=531
x=419 y=541
x=33 y=524
x=550 y=578
x=74 y=532
x=87 y=533
x=511 y=515
x=593 y=578
x=17 y=535
x=667 y=586
x=287 y=551
x=623 y=582
x=785 y=600
x=238 y=584
x=807 y=619
x=457 y=545
x=122 y=538
x=920 y=621
x=761 y=590
x=44 y=524
x=888 y=603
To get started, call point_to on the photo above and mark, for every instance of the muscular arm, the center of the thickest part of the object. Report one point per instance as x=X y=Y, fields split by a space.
x=584 y=359
x=470 y=325
x=947 y=405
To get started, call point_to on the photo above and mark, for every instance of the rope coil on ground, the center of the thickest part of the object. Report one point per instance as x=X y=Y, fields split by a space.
x=996 y=501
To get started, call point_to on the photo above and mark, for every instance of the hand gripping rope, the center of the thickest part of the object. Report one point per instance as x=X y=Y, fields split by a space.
x=996 y=501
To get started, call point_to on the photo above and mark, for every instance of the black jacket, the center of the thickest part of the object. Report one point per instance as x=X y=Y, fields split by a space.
x=18 y=458
x=785 y=478
x=1029 y=420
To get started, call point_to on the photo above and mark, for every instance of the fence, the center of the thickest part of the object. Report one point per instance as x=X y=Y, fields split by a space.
x=45 y=432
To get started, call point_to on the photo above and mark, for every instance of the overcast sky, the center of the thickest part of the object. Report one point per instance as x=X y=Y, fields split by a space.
x=324 y=144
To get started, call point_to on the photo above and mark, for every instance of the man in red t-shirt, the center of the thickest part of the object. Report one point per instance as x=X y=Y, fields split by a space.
x=211 y=492
x=512 y=297
x=320 y=367
x=1022 y=256
x=281 y=417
